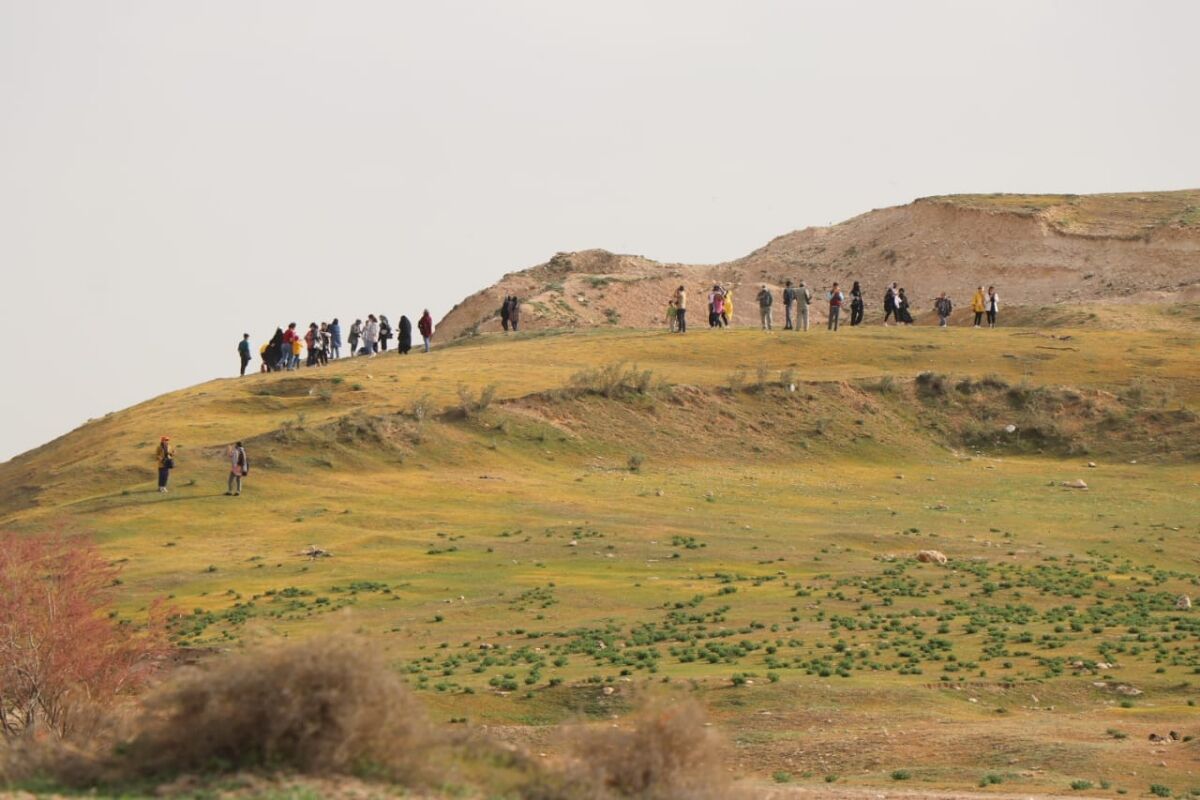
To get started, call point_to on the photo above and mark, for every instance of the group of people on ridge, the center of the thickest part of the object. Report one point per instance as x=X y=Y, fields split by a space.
x=798 y=299
x=321 y=342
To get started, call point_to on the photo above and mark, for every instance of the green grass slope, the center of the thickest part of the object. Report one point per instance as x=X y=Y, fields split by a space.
x=534 y=535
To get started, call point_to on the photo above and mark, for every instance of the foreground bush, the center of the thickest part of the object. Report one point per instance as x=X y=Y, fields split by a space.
x=326 y=705
x=665 y=752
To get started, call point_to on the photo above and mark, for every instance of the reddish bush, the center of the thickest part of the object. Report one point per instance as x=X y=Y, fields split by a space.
x=59 y=649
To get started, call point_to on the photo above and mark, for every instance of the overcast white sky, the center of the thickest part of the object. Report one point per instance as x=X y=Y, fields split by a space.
x=173 y=173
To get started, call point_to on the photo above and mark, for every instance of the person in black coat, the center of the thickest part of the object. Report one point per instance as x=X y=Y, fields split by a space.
x=405 y=342
x=514 y=313
x=275 y=350
x=856 y=305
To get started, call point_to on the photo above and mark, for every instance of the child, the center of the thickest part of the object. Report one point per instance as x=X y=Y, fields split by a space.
x=297 y=348
x=672 y=315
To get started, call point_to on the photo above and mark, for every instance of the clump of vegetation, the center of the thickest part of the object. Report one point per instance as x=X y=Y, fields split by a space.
x=666 y=751
x=64 y=656
x=931 y=385
x=613 y=380
x=471 y=405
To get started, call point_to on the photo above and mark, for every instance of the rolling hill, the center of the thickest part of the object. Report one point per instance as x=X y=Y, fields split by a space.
x=535 y=531
x=1039 y=250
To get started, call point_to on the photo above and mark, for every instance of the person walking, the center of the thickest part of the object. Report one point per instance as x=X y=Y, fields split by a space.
x=425 y=326
x=765 y=301
x=385 y=332
x=371 y=335
x=514 y=313
x=404 y=343
x=803 y=301
x=335 y=338
x=857 y=306
x=789 y=297
x=681 y=309
x=978 y=306
x=504 y=307
x=836 y=298
x=164 y=456
x=891 y=304
x=239 y=467
x=355 y=336
x=244 y=352
x=943 y=307
x=993 y=306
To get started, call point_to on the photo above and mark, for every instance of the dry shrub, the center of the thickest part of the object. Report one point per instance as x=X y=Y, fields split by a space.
x=326 y=705
x=62 y=658
x=666 y=751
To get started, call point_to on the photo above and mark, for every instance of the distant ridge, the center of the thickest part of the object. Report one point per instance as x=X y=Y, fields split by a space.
x=1037 y=249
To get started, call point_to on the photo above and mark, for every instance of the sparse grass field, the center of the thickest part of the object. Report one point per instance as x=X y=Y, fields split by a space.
x=580 y=539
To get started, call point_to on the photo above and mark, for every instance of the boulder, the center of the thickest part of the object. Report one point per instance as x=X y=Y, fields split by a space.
x=932 y=557
x=1183 y=602
x=1075 y=484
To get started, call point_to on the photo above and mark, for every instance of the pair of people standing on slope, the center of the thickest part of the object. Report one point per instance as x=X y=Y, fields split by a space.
x=239 y=466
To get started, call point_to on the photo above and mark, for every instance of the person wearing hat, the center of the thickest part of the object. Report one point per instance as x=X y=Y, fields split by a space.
x=765 y=300
x=165 y=458
x=239 y=467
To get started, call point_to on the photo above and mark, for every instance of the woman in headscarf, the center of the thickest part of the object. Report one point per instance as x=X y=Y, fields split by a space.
x=405 y=341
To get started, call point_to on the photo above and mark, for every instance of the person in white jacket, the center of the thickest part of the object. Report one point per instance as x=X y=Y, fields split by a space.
x=992 y=305
x=371 y=335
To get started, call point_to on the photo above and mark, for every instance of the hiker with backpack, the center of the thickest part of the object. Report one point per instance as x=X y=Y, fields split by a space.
x=243 y=349
x=891 y=304
x=789 y=297
x=239 y=467
x=425 y=326
x=836 y=298
x=164 y=457
x=404 y=343
x=857 y=306
x=765 y=301
x=993 y=306
x=943 y=307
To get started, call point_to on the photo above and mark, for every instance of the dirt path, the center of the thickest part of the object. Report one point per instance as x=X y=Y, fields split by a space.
x=852 y=793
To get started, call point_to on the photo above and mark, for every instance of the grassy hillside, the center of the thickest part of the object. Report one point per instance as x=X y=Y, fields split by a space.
x=523 y=525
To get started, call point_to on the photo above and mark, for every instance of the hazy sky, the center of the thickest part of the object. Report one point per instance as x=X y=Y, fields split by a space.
x=175 y=173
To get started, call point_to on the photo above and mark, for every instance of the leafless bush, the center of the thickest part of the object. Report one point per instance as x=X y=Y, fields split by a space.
x=325 y=705
x=470 y=405
x=665 y=751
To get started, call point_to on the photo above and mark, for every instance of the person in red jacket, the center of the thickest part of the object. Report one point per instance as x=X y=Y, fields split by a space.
x=425 y=326
x=289 y=338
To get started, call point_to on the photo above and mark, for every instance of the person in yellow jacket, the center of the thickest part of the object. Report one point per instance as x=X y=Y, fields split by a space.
x=978 y=305
x=727 y=312
x=164 y=457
